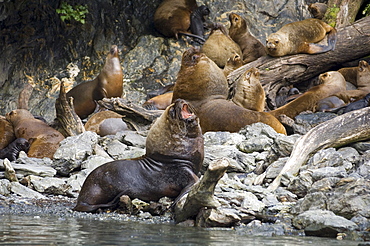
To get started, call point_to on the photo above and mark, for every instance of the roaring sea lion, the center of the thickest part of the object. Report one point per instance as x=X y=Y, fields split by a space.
x=362 y=83
x=106 y=123
x=251 y=47
x=6 y=132
x=12 y=150
x=172 y=17
x=301 y=37
x=174 y=155
x=201 y=82
x=219 y=47
x=44 y=140
x=160 y=102
x=248 y=91
x=234 y=62
x=109 y=83
x=330 y=84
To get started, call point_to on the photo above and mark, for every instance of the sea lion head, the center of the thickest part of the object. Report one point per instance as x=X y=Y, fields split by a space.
x=252 y=74
x=113 y=51
x=275 y=45
x=237 y=22
x=176 y=133
x=17 y=115
x=333 y=78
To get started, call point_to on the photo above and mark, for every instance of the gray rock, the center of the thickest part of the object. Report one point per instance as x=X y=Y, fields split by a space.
x=274 y=168
x=322 y=223
x=23 y=191
x=361 y=147
x=301 y=184
x=222 y=138
x=305 y=121
x=49 y=185
x=132 y=138
x=220 y=217
x=94 y=161
x=34 y=169
x=251 y=203
x=325 y=158
x=4 y=187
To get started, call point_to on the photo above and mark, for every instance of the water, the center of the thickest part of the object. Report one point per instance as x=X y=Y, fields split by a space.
x=51 y=230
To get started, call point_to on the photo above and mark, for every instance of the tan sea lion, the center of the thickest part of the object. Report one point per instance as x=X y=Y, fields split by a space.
x=160 y=102
x=174 y=155
x=330 y=84
x=251 y=47
x=301 y=37
x=106 y=123
x=219 y=47
x=362 y=83
x=349 y=74
x=318 y=10
x=6 y=132
x=172 y=17
x=248 y=91
x=234 y=62
x=44 y=140
x=109 y=83
x=201 y=82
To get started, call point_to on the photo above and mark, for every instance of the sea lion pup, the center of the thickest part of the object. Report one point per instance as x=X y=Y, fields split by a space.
x=11 y=152
x=6 y=132
x=197 y=20
x=219 y=47
x=329 y=104
x=44 y=140
x=159 y=102
x=251 y=47
x=362 y=83
x=109 y=83
x=330 y=84
x=248 y=91
x=234 y=62
x=174 y=155
x=300 y=37
x=318 y=10
x=362 y=103
x=202 y=83
x=106 y=123
x=172 y=17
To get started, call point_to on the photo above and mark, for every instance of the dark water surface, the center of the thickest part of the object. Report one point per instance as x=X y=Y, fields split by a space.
x=51 y=230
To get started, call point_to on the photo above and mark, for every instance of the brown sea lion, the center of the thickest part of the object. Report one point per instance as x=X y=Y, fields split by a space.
x=329 y=104
x=248 y=91
x=11 y=151
x=251 y=47
x=318 y=10
x=109 y=83
x=106 y=123
x=349 y=74
x=219 y=47
x=172 y=17
x=160 y=102
x=362 y=83
x=44 y=140
x=234 y=62
x=301 y=37
x=174 y=155
x=201 y=82
x=6 y=132
x=330 y=84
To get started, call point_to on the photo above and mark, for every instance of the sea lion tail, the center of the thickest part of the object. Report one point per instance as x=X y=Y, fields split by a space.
x=332 y=38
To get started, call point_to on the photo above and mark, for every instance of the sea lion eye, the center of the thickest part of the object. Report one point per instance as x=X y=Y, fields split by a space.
x=236 y=18
x=276 y=41
x=194 y=57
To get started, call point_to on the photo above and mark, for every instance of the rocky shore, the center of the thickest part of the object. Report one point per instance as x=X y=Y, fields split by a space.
x=330 y=196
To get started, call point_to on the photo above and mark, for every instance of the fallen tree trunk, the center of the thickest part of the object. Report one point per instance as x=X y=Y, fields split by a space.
x=353 y=43
x=344 y=129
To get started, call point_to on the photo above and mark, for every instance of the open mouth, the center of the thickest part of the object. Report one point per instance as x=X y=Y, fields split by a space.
x=186 y=112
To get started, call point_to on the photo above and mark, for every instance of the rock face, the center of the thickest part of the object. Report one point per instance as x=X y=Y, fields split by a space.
x=74 y=52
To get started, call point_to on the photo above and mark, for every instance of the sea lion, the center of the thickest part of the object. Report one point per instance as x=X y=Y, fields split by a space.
x=234 y=62
x=109 y=83
x=219 y=47
x=362 y=83
x=106 y=123
x=197 y=19
x=349 y=74
x=330 y=83
x=159 y=102
x=300 y=37
x=329 y=104
x=44 y=140
x=318 y=10
x=174 y=155
x=12 y=150
x=6 y=132
x=251 y=47
x=248 y=91
x=362 y=103
x=201 y=82
x=172 y=17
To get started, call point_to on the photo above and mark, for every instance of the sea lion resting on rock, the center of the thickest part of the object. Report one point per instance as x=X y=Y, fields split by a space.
x=201 y=82
x=160 y=102
x=172 y=17
x=248 y=91
x=300 y=37
x=251 y=47
x=329 y=104
x=6 y=132
x=174 y=155
x=12 y=150
x=44 y=140
x=330 y=84
x=109 y=83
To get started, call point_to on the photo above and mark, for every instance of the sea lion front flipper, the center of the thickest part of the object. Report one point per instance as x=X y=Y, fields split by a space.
x=319 y=48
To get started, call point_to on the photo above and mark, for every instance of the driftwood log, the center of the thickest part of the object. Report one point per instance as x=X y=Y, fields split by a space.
x=342 y=130
x=353 y=43
x=67 y=121
x=201 y=193
x=137 y=117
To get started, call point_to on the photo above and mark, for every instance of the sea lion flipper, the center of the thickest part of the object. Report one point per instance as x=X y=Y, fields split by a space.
x=319 y=48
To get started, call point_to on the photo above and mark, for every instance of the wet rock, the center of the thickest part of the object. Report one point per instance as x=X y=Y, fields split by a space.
x=221 y=217
x=322 y=223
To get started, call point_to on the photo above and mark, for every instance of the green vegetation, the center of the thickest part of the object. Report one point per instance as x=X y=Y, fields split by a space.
x=67 y=12
x=366 y=11
x=331 y=15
